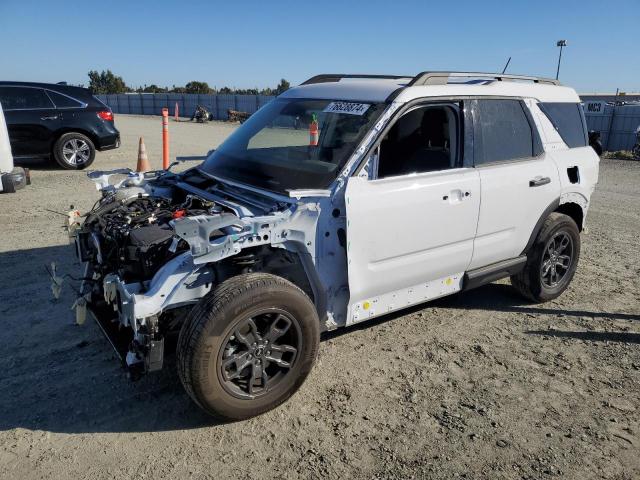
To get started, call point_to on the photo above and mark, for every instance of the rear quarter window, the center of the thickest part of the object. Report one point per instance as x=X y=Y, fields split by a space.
x=568 y=120
x=63 y=101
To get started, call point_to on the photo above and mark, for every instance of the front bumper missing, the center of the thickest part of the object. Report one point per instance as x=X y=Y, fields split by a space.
x=118 y=338
x=179 y=282
x=129 y=315
x=140 y=354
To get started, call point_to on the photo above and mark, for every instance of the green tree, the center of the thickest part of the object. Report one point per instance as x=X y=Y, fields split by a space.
x=197 y=87
x=106 y=82
x=282 y=87
x=153 y=88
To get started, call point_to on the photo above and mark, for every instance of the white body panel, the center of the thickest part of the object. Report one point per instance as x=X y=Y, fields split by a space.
x=585 y=158
x=403 y=232
x=510 y=207
x=6 y=159
x=588 y=164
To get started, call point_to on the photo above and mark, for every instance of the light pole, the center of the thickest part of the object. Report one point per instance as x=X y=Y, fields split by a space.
x=560 y=43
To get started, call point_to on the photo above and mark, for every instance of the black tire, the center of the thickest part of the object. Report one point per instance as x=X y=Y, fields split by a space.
x=534 y=282
x=86 y=151
x=212 y=330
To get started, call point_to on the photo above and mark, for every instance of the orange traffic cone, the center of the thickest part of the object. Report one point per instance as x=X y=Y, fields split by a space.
x=314 y=133
x=143 y=161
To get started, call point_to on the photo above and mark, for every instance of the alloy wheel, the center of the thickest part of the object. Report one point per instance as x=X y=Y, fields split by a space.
x=259 y=353
x=76 y=151
x=557 y=259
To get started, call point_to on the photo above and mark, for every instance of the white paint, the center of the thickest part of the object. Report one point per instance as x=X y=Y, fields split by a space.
x=409 y=230
x=377 y=90
x=409 y=239
x=399 y=299
x=510 y=208
x=6 y=159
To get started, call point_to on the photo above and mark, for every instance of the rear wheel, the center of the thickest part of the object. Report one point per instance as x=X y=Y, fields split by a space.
x=74 y=151
x=248 y=346
x=552 y=261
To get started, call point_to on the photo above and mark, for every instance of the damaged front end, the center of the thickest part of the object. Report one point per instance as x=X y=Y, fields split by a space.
x=156 y=243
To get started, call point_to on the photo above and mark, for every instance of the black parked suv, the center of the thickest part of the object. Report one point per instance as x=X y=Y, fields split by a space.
x=57 y=120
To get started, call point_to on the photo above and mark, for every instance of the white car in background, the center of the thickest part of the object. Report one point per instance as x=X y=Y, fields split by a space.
x=11 y=178
x=344 y=199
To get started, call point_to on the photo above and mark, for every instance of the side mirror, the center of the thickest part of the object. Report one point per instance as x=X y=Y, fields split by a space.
x=594 y=142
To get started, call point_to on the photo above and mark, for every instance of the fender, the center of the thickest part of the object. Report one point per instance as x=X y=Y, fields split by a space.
x=547 y=211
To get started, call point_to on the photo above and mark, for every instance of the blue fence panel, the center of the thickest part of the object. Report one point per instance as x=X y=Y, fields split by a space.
x=247 y=103
x=264 y=99
x=153 y=103
x=225 y=103
x=625 y=121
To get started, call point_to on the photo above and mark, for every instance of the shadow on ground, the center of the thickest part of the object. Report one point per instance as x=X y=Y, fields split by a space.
x=37 y=164
x=61 y=377
x=622 y=337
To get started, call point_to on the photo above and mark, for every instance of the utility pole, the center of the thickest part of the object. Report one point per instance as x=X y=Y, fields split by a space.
x=561 y=44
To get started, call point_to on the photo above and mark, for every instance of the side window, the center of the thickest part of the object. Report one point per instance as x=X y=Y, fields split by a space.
x=62 y=101
x=20 y=98
x=503 y=132
x=568 y=120
x=425 y=139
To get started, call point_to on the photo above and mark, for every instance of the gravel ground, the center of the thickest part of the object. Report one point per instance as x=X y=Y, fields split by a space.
x=477 y=385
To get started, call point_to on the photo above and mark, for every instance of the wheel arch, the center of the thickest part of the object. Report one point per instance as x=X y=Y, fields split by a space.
x=570 y=205
x=291 y=264
x=64 y=130
x=573 y=210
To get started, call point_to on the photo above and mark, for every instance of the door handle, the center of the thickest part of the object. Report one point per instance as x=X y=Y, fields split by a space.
x=55 y=117
x=539 y=181
x=456 y=196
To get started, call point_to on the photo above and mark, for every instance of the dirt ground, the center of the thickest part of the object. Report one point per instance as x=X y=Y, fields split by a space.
x=477 y=385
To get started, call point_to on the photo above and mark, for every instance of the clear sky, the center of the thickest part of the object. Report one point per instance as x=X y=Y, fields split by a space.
x=255 y=43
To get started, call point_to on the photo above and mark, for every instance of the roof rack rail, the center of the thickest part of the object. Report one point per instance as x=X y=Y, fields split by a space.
x=442 y=78
x=335 y=77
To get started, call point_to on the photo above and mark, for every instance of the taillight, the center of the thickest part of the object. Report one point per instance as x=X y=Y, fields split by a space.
x=106 y=115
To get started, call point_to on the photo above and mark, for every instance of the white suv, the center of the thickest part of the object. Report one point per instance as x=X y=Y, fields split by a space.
x=346 y=198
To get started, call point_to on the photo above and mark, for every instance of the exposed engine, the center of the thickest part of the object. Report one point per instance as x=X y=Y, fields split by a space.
x=132 y=235
x=156 y=244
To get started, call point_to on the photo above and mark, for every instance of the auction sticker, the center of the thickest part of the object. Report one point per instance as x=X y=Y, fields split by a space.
x=347 y=107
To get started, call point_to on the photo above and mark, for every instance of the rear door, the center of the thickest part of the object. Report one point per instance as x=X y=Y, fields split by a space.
x=70 y=109
x=519 y=181
x=32 y=120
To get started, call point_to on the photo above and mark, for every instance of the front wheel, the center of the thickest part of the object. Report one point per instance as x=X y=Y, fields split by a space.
x=248 y=346
x=552 y=261
x=74 y=151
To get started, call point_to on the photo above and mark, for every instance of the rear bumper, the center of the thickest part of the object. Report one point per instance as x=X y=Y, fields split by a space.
x=109 y=142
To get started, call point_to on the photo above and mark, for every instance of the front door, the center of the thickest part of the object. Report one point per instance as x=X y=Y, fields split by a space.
x=410 y=234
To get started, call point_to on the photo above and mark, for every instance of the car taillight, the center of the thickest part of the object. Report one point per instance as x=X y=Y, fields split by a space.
x=106 y=115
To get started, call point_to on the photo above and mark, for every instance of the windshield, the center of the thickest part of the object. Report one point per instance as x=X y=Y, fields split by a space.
x=292 y=144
